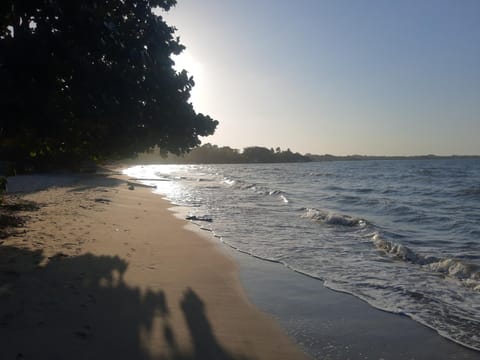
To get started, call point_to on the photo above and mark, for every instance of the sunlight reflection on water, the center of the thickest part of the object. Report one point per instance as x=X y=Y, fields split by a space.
x=166 y=183
x=399 y=237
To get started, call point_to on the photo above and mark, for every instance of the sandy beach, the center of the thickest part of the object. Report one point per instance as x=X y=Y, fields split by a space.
x=99 y=271
x=103 y=272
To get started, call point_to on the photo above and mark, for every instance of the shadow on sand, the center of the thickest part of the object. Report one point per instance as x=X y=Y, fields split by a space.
x=29 y=183
x=81 y=308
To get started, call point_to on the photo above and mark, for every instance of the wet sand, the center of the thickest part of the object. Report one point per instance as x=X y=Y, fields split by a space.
x=334 y=325
x=101 y=271
x=104 y=272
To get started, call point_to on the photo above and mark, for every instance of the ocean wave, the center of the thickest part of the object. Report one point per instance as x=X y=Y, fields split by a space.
x=330 y=218
x=412 y=217
x=246 y=186
x=364 y=190
x=398 y=250
x=467 y=274
x=259 y=189
x=279 y=193
x=426 y=172
x=160 y=176
x=320 y=174
x=206 y=218
x=470 y=192
x=200 y=179
x=335 y=188
x=229 y=182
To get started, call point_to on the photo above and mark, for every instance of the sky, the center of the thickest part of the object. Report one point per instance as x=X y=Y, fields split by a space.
x=370 y=77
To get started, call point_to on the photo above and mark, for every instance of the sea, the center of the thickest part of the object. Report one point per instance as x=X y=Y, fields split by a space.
x=402 y=235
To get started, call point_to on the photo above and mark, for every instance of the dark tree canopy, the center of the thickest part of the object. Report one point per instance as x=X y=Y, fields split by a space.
x=92 y=79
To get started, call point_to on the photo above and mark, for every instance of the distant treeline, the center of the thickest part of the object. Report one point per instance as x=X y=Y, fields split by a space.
x=213 y=154
x=328 y=157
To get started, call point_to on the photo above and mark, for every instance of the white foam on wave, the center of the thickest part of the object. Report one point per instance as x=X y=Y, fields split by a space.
x=467 y=274
x=284 y=199
x=436 y=292
x=398 y=250
x=229 y=182
x=259 y=189
x=333 y=218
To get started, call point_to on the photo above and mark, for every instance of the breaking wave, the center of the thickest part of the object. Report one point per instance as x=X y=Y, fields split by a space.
x=258 y=189
x=467 y=274
x=404 y=239
x=330 y=218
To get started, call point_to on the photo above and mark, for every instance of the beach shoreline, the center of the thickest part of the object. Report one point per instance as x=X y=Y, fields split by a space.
x=101 y=271
x=138 y=281
x=329 y=324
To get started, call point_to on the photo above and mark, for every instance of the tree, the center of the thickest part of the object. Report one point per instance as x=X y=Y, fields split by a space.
x=92 y=79
x=257 y=154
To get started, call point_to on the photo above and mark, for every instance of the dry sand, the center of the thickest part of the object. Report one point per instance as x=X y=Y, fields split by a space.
x=103 y=272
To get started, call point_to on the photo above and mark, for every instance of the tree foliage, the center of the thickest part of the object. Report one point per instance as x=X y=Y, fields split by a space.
x=213 y=154
x=92 y=79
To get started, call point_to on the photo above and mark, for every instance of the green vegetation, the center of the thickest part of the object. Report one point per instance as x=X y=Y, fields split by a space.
x=91 y=80
x=212 y=154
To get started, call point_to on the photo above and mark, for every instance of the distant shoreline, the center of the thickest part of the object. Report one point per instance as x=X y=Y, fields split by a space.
x=226 y=155
x=317 y=158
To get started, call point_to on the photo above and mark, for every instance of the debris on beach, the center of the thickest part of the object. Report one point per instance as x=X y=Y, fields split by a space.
x=130 y=183
x=199 y=218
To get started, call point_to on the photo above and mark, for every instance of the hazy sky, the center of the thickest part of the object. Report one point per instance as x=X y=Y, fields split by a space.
x=336 y=76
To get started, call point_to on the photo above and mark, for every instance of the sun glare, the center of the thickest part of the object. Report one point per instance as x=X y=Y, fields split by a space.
x=185 y=61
